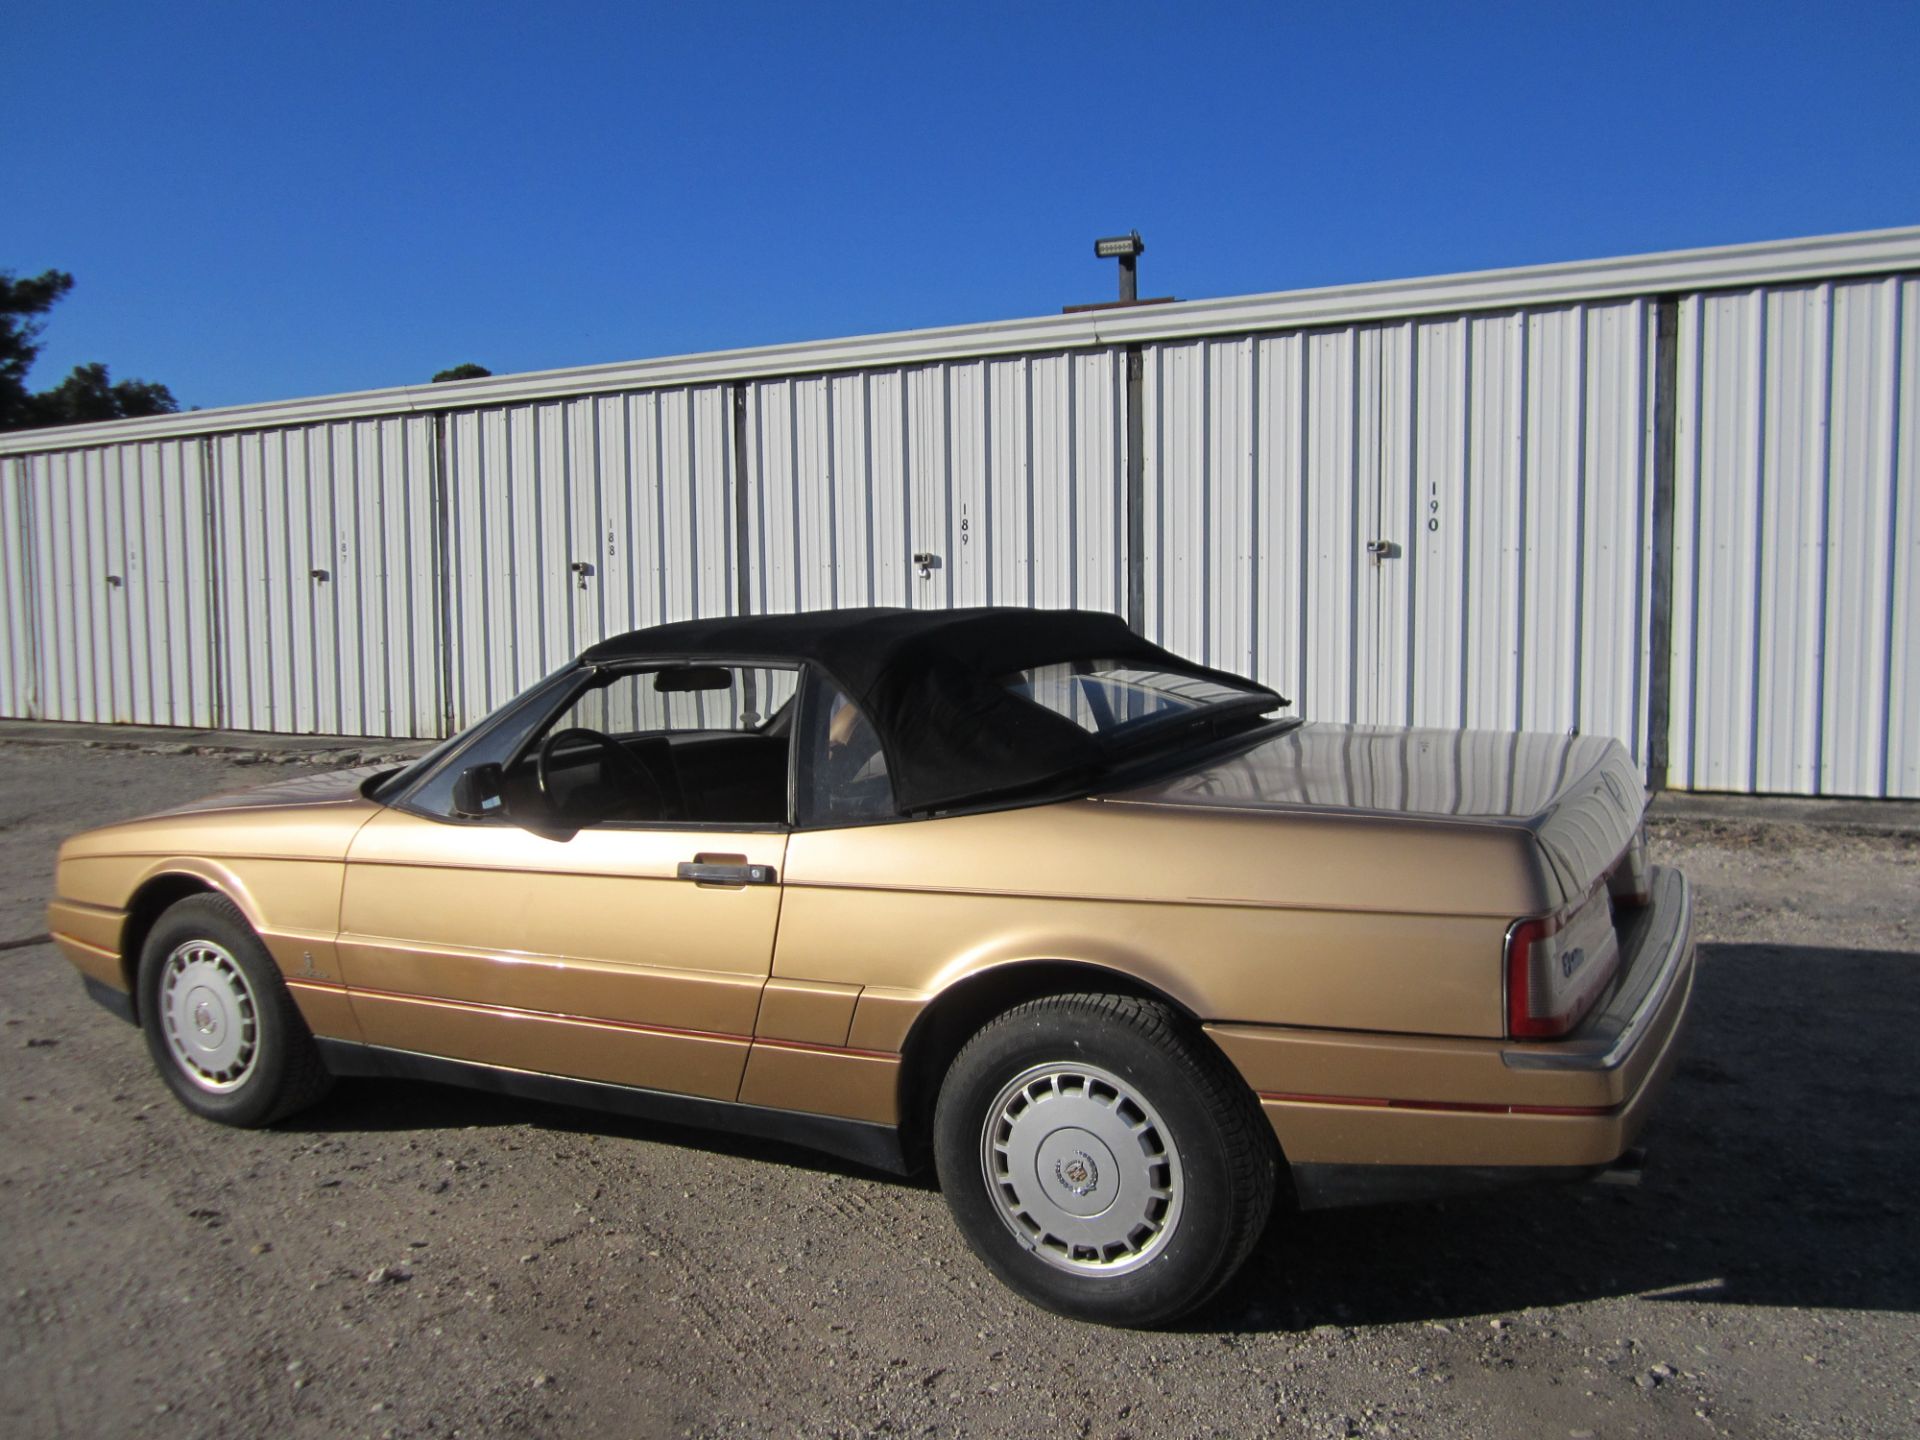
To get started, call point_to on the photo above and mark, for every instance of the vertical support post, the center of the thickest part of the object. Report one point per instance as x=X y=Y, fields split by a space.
x=1129 y=279
x=213 y=534
x=1666 y=375
x=16 y=489
x=742 y=538
x=443 y=572
x=742 y=496
x=1136 y=499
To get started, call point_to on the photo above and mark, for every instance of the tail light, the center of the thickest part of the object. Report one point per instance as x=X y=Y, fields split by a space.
x=1557 y=965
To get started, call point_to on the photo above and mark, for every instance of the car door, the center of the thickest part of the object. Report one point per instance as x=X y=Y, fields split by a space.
x=626 y=940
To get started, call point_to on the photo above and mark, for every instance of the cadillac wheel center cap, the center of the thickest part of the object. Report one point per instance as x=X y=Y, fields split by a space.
x=1079 y=1174
x=205 y=1015
x=1077 y=1171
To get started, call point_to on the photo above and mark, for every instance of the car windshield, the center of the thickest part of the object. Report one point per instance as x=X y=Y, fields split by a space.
x=1112 y=698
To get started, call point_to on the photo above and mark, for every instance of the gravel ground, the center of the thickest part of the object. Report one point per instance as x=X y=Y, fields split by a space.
x=413 y=1261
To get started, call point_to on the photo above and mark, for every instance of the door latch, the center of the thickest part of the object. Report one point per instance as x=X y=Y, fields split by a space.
x=582 y=568
x=1378 y=550
x=706 y=872
x=928 y=563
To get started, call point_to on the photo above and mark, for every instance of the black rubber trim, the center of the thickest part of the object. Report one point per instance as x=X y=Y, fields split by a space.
x=864 y=1141
x=1327 y=1187
x=117 y=1002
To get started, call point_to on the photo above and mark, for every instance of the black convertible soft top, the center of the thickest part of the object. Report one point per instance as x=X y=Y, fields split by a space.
x=929 y=682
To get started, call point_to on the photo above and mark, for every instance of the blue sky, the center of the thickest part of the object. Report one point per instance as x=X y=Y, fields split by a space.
x=263 y=201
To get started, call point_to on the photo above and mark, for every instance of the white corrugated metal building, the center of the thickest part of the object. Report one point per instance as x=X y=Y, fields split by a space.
x=1670 y=498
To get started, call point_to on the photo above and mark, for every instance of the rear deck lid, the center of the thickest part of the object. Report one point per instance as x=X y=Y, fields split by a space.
x=1580 y=795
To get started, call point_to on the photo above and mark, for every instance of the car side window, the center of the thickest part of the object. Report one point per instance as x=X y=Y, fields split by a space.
x=843 y=770
x=695 y=744
x=668 y=744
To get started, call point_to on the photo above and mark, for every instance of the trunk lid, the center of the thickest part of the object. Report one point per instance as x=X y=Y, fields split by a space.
x=1579 y=795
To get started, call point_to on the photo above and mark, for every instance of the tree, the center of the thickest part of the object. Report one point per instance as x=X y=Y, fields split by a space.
x=21 y=303
x=468 y=371
x=89 y=393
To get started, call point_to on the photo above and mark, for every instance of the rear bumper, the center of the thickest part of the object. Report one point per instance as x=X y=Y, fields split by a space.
x=1362 y=1116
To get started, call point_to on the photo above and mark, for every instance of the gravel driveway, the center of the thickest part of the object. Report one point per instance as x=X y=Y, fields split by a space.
x=413 y=1261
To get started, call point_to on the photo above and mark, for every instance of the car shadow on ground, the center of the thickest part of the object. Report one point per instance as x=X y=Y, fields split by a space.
x=362 y=1106
x=1783 y=1170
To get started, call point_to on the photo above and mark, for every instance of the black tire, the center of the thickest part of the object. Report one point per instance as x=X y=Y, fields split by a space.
x=220 y=1025
x=1056 y=1093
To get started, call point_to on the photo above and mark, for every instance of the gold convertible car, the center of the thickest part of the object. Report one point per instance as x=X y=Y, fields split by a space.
x=1123 y=954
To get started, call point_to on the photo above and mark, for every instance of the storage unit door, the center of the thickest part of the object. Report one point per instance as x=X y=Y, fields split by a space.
x=328 y=605
x=964 y=483
x=119 y=542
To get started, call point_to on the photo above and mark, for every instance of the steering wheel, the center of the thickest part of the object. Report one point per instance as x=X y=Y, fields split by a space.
x=637 y=776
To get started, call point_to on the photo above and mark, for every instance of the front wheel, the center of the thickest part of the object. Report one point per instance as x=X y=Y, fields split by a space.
x=1103 y=1161
x=221 y=1027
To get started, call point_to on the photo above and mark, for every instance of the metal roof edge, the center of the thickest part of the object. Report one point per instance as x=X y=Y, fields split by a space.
x=1720 y=267
x=1765 y=262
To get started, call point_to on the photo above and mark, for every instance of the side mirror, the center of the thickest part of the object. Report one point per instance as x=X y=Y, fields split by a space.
x=481 y=793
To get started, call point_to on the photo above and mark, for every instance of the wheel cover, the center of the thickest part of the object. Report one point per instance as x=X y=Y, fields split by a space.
x=208 y=1016
x=1082 y=1169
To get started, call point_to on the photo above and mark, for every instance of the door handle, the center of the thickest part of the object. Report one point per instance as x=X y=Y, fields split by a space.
x=1383 y=550
x=706 y=872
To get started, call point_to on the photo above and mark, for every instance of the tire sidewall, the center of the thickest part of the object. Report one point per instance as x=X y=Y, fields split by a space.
x=1187 y=1268
x=253 y=1101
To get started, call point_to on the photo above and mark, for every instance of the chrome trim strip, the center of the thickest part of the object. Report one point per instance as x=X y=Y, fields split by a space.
x=1451 y=1107
x=1608 y=1040
x=606 y=1022
x=520 y=1012
x=87 y=907
x=60 y=937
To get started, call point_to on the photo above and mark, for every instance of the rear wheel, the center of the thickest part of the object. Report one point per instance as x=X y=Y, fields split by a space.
x=1103 y=1160
x=221 y=1027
